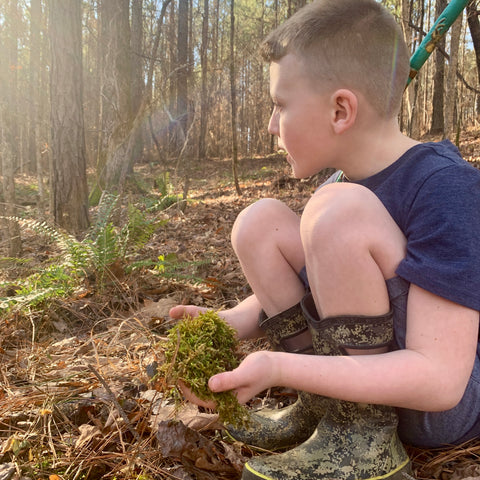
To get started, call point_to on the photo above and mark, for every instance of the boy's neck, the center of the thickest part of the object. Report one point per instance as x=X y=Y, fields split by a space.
x=374 y=150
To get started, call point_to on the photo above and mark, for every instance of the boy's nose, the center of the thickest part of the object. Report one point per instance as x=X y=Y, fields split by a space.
x=273 y=124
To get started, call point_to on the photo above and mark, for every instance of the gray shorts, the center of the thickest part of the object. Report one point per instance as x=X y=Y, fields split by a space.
x=432 y=429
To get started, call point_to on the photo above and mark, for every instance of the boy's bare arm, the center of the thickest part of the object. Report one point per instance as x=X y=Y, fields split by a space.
x=430 y=374
x=243 y=317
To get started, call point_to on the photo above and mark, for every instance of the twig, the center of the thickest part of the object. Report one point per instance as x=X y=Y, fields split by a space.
x=115 y=402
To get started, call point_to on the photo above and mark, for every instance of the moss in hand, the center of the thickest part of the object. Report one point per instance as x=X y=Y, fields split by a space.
x=198 y=348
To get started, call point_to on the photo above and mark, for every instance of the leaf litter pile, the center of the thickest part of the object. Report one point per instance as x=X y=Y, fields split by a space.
x=82 y=395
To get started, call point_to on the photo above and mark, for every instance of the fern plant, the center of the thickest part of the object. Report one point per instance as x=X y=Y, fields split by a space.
x=110 y=244
x=59 y=279
x=105 y=245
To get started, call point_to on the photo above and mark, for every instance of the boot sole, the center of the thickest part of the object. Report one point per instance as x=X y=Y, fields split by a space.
x=403 y=472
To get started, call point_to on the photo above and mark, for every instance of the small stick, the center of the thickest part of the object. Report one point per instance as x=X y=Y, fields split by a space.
x=115 y=402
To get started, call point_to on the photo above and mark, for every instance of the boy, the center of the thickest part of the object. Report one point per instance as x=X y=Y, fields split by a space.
x=388 y=253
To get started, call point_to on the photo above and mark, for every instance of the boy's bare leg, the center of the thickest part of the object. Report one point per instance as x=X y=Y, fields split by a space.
x=352 y=246
x=266 y=239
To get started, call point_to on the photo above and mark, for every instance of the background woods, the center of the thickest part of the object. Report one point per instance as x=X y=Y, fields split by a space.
x=102 y=86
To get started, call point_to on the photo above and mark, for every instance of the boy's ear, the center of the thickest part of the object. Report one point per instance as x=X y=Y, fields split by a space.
x=345 y=109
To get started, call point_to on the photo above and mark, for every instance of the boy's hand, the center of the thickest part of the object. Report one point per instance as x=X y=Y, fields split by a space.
x=180 y=311
x=243 y=317
x=191 y=397
x=255 y=374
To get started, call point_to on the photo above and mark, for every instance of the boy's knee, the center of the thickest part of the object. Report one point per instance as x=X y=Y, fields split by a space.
x=345 y=217
x=333 y=209
x=251 y=221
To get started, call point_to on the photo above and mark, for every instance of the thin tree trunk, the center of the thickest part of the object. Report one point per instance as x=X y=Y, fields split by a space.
x=204 y=103
x=8 y=185
x=9 y=140
x=182 y=92
x=451 y=91
x=153 y=55
x=69 y=188
x=474 y=27
x=34 y=66
x=233 y=99
x=438 y=124
x=182 y=64
x=34 y=152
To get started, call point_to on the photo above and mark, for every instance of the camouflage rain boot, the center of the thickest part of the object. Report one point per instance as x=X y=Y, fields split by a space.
x=352 y=441
x=271 y=429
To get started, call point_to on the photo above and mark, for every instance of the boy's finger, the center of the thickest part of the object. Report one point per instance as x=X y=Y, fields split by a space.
x=180 y=311
x=221 y=382
x=177 y=311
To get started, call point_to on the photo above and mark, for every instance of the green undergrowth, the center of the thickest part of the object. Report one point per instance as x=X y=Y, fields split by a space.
x=105 y=255
x=198 y=348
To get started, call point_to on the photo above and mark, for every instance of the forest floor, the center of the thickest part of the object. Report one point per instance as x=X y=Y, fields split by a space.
x=78 y=394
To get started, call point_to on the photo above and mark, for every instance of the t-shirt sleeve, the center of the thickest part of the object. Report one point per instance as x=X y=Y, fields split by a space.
x=443 y=237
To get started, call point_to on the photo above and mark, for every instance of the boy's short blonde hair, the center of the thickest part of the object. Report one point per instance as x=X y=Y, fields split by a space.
x=354 y=44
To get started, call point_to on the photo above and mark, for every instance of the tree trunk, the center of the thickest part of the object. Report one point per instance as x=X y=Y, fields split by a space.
x=34 y=154
x=33 y=80
x=69 y=180
x=438 y=124
x=121 y=130
x=474 y=27
x=451 y=91
x=233 y=99
x=137 y=82
x=9 y=140
x=204 y=103
x=153 y=55
x=182 y=65
x=182 y=93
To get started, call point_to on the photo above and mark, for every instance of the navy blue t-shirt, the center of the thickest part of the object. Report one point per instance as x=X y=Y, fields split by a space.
x=434 y=197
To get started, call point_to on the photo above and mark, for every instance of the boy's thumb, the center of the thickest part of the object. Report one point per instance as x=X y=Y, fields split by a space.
x=220 y=382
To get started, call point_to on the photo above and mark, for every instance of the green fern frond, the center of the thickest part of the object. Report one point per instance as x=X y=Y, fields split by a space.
x=106 y=209
x=106 y=247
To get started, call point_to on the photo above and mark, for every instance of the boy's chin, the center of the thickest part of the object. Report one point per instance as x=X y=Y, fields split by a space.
x=299 y=175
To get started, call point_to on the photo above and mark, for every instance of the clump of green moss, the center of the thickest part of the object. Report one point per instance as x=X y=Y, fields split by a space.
x=198 y=348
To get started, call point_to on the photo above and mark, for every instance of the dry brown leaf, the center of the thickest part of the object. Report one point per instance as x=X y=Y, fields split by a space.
x=190 y=416
x=87 y=433
x=158 y=309
x=467 y=472
x=190 y=447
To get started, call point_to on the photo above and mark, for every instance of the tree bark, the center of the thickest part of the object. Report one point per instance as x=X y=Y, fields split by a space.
x=451 y=90
x=233 y=99
x=204 y=103
x=118 y=118
x=33 y=80
x=69 y=180
x=182 y=65
x=438 y=124
x=9 y=140
x=474 y=27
